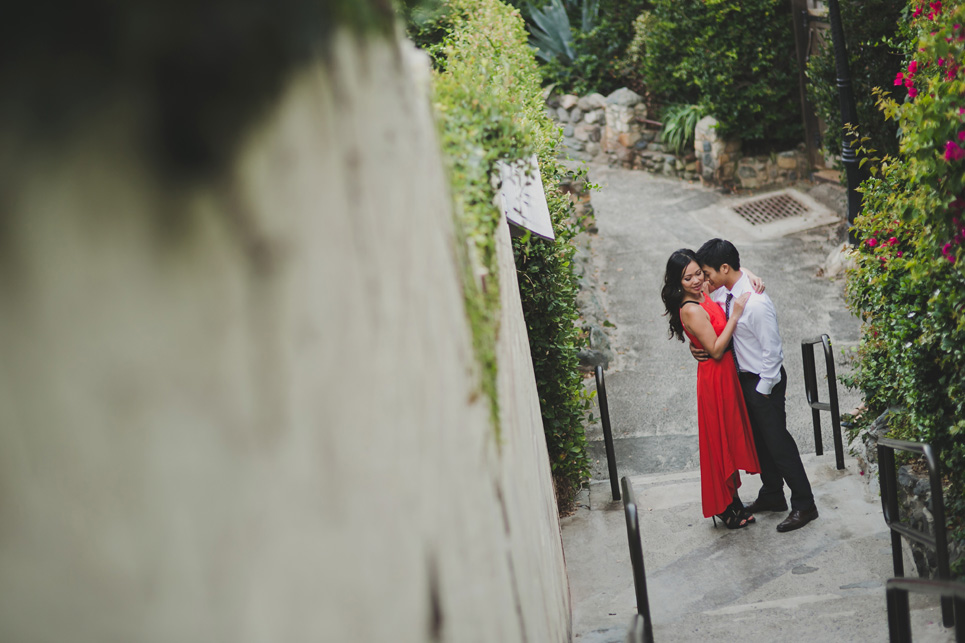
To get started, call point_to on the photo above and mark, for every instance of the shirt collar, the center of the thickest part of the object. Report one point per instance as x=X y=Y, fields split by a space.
x=741 y=286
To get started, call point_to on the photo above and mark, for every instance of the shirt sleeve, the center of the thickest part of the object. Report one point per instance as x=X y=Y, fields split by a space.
x=763 y=320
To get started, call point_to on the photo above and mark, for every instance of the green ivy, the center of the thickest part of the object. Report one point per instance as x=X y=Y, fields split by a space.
x=909 y=282
x=490 y=108
x=734 y=59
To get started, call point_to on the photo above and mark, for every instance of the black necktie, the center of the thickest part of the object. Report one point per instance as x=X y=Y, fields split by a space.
x=730 y=297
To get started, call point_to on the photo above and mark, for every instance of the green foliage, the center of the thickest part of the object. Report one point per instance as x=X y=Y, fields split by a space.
x=490 y=108
x=551 y=33
x=909 y=282
x=426 y=22
x=679 y=123
x=735 y=59
x=631 y=66
x=601 y=31
x=872 y=37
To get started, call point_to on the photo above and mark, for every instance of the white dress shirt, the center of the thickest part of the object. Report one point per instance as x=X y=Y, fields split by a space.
x=757 y=339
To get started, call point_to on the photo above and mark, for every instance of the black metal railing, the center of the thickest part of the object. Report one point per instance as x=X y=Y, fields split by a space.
x=888 y=478
x=637 y=631
x=811 y=388
x=899 y=616
x=636 y=559
x=611 y=459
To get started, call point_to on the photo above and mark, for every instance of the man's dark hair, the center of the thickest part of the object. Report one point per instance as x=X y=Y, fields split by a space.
x=716 y=252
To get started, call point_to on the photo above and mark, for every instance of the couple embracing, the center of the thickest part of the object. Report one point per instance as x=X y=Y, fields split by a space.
x=742 y=424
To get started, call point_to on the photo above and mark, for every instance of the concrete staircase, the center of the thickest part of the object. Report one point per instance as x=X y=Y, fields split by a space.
x=824 y=582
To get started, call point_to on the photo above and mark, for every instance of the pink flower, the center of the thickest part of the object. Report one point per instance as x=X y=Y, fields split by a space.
x=953 y=152
x=900 y=79
x=892 y=241
x=947 y=248
x=912 y=92
x=951 y=258
x=912 y=67
x=961 y=136
x=900 y=253
x=872 y=242
x=916 y=12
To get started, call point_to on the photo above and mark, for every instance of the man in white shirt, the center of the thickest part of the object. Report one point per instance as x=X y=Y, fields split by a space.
x=759 y=356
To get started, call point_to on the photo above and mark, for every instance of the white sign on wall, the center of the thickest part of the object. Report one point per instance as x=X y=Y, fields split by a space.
x=522 y=198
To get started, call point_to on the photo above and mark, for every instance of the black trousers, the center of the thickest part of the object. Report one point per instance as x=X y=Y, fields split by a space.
x=776 y=449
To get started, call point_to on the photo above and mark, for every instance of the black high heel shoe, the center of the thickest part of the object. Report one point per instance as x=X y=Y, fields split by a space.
x=742 y=511
x=732 y=518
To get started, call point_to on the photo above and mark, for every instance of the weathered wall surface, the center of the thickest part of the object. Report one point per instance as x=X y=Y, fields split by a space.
x=247 y=409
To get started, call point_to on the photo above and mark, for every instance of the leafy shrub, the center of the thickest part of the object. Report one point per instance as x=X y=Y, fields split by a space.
x=872 y=38
x=490 y=108
x=631 y=66
x=734 y=59
x=909 y=282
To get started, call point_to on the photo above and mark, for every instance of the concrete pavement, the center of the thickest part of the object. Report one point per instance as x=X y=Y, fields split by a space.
x=825 y=581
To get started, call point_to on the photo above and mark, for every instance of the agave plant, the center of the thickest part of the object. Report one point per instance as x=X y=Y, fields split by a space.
x=551 y=33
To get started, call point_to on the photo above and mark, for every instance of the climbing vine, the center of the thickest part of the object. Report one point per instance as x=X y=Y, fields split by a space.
x=490 y=109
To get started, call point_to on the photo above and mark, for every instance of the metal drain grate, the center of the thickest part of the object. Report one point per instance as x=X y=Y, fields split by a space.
x=772 y=208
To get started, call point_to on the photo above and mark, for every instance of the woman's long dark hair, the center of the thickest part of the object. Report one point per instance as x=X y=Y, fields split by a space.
x=673 y=293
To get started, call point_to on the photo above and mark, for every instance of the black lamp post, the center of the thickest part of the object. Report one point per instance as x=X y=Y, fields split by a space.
x=849 y=114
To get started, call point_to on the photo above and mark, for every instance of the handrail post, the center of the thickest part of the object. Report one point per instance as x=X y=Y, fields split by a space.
x=941 y=537
x=897 y=601
x=899 y=624
x=888 y=478
x=636 y=558
x=811 y=392
x=611 y=458
x=833 y=401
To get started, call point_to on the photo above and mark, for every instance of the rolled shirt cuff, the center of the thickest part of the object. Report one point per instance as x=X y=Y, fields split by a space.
x=765 y=384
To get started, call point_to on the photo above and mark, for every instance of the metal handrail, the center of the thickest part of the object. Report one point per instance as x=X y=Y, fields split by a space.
x=611 y=459
x=899 y=617
x=888 y=479
x=811 y=389
x=636 y=559
x=637 y=630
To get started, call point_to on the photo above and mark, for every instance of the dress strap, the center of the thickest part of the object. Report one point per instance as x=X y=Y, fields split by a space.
x=689 y=301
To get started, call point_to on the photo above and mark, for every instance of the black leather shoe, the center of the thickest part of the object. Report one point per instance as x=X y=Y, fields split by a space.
x=763 y=505
x=798 y=518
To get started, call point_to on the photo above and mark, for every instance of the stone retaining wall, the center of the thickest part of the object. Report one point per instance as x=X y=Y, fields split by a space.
x=246 y=407
x=616 y=130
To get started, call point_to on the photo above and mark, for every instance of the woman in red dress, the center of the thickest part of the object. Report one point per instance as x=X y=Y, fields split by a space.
x=725 y=438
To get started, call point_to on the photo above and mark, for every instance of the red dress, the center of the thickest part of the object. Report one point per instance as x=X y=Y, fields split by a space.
x=725 y=438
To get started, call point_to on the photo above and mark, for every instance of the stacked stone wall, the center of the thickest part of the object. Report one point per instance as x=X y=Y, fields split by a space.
x=617 y=130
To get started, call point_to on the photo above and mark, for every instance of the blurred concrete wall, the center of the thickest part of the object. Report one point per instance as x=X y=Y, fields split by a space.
x=246 y=408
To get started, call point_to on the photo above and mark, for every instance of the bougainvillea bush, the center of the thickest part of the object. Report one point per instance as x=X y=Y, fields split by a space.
x=909 y=282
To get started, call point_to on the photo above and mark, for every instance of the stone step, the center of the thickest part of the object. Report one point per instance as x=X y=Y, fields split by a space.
x=824 y=581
